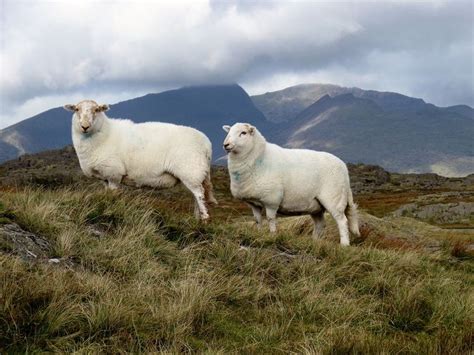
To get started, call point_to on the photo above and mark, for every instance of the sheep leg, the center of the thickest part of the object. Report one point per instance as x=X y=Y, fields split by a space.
x=110 y=176
x=319 y=224
x=197 y=214
x=257 y=213
x=208 y=190
x=198 y=192
x=271 y=217
x=113 y=184
x=342 y=225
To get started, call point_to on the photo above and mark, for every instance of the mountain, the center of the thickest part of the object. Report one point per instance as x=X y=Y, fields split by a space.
x=398 y=132
x=206 y=108
x=463 y=110
x=284 y=105
x=377 y=128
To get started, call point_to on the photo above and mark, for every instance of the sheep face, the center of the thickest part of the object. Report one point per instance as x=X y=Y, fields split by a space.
x=239 y=138
x=87 y=114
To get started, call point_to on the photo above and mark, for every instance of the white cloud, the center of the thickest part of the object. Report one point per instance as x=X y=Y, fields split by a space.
x=57 y=51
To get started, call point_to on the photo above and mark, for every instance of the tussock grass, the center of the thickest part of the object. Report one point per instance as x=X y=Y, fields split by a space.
x=142 y=276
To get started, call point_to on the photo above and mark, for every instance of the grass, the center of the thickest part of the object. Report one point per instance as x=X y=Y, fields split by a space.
x=139 y=274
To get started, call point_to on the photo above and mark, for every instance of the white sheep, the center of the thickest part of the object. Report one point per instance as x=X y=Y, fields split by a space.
x=151 y=154
x=289 y=181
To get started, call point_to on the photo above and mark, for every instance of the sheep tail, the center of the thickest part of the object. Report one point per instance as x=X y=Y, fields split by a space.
x=208 y=190
x=352 y=215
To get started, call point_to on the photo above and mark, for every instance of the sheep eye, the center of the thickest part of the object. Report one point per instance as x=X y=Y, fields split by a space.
x=243 y=133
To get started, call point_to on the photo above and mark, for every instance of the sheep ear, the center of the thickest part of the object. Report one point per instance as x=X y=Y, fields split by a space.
x=226 y=128
x=251 y=129
x=102 y=108
x=70 y=107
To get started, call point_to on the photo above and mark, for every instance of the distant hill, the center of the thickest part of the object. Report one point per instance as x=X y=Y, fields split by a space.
x=284 y=105
x=398 y=132
x=206 y=108
x=48 y=130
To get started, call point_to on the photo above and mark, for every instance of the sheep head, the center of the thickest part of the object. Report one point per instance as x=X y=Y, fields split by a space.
x=87 y=114
x=239 y=138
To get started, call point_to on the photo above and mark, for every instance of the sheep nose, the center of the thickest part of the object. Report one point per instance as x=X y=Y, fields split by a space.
x=226 y=145
x=85 y=128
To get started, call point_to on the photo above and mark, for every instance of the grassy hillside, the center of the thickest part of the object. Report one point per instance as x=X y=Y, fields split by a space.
x=132 y=271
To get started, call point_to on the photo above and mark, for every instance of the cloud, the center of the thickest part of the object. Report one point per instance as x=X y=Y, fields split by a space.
x=52 y=52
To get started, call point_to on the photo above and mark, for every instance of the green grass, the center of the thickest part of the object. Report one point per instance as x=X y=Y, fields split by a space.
x=139 y=274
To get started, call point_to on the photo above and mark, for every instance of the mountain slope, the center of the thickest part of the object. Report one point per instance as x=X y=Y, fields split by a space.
x=48 y=130
x=358 y=129
x=206 y=108
x=463 y=110
x=284 y=105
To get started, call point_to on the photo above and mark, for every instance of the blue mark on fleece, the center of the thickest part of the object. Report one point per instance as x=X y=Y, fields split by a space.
x=236 y=176
x=259 y=162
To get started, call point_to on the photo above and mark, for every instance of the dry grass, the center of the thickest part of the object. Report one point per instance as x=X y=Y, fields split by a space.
x=142 y=276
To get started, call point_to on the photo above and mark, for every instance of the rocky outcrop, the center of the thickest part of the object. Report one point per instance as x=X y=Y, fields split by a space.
x=439 y=213
x=30 y=247
x=366 y=178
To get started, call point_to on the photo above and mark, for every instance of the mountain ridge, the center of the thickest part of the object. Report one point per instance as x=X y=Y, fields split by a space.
x=419 y=138
x=395 y=131
x=284 y=105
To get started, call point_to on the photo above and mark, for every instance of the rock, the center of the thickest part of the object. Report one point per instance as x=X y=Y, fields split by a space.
x=16 y=241
x=442 y=213
x=366 y=177
x=98 y=230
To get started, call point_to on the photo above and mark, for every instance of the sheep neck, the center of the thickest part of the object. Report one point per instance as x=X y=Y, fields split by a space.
x=242 y=167
x=87 y=143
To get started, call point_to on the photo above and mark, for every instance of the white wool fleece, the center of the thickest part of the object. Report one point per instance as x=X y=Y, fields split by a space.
x=288 y=181
x=142 y=154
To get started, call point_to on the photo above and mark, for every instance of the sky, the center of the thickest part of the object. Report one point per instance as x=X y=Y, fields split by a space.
x=55 y=52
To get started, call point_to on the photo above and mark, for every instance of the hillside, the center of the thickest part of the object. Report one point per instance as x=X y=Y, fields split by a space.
x=284 y=105
x=89 y=270
x=397 y=133
x=379 y=191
